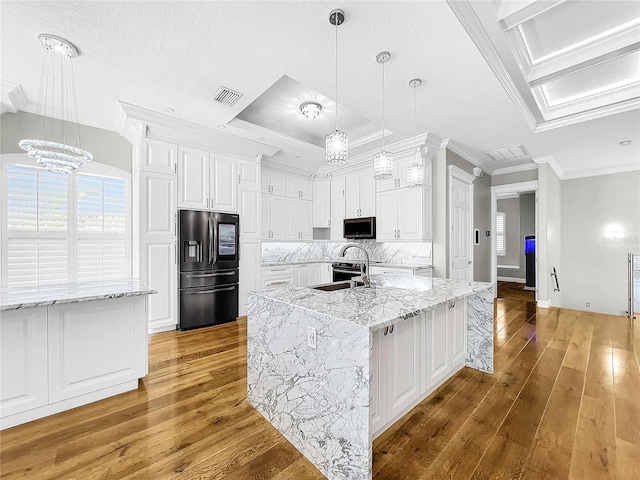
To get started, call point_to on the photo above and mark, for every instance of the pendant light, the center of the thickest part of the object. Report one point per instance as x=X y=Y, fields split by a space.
x=415 y=172
x=337 y=142
x=57 y=141
x=383 y=160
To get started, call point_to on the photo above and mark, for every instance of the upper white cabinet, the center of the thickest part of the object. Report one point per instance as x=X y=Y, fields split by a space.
x=360 y=194
x=249 y=200
x=193 y=178
x=273 y=183
x=321 y=204
x=299 y=188
x=273 y=217
x=298 y=219
x=157 y=156
x=206 y=181
x=157 y=207
x=399 y=179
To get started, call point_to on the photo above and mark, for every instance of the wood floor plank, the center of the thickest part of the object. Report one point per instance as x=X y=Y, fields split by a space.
x=189 y=417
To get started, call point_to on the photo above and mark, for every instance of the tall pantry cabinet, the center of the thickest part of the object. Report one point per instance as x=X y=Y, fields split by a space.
x=155 y=220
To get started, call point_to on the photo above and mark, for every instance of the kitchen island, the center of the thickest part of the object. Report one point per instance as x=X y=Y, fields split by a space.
x=66 y=345
x=331 y=370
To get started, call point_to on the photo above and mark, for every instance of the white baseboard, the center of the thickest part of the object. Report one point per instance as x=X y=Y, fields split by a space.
x=530 y=289
x=544 y=303
x=512 y=279
x=510 y=267
x=163 y=328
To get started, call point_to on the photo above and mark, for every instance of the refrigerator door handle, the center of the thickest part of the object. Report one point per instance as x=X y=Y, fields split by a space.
x=213 y=290
x=214 y=244
x=210 y=241
x=207 y=275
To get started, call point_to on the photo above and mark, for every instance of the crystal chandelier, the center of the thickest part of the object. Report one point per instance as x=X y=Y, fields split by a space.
x=337 y=142
x=310 y=109
x=57 y=144
x=383 y=160
x=415 y=172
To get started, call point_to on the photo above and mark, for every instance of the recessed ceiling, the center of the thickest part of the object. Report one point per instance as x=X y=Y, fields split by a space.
x=278 y=109
x=159 y=54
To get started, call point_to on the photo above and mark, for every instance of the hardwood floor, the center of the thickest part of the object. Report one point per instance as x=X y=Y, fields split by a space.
x=562 y=404
x=515 y=291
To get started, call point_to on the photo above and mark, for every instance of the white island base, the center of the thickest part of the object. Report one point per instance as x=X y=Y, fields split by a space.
x=65 y=351
x=378 y=353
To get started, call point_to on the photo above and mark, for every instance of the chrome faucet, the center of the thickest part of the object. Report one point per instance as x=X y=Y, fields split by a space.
x=364 y=274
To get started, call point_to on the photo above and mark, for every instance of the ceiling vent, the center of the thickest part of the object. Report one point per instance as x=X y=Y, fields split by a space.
x=507 y=153
x=226 y=96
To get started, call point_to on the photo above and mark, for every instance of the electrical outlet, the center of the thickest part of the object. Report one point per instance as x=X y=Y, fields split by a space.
x=311 y=337
x=588 y=304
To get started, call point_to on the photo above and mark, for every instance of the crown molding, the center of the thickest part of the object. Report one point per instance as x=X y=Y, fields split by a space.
x=458 y=149
x=283 y=166
x=594 y=172
x=553 y=163
x=128 y=118
x=12 y=97
x=515 y=169
x=372 y=137
x=603 y=111
x=244 y=129
x=471 y=23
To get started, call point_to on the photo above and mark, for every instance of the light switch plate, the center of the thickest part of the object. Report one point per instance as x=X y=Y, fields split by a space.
x=311 y=337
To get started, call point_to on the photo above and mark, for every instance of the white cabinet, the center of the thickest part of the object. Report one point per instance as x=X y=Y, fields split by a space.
x=396 y=372
x=94 y=345
x=304 y=275
x=206 y=181
x=249 y=201
x=156 y=253
x=69 y=354
x=445 y=340
x=298 y=219
x=321 y=204
x=278 y=276
x=299 y=188
x=23 y=360
x=404 y=214
x=158 y=157
x=325 y=274
x=273 y=215
x=193 y=178
x=399 y=178
x=337 y=208
x=360 y=195
x=273 y=183
x=417 y=271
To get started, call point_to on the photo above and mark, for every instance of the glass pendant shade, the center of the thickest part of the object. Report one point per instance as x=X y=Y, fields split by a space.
x=383 y=165
x=56 y=145
x=415 y=175
x=337 y=148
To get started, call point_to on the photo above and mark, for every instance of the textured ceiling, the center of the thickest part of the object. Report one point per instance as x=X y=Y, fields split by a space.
x=177 y=54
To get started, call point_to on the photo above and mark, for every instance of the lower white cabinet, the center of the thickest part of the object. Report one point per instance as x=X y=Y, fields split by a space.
x=70 y=354
x=412 y=358
x=23 y=355
x=159 y=269
x=309 y=274
x=95 y=345
x=417 y=272
x=278 y=276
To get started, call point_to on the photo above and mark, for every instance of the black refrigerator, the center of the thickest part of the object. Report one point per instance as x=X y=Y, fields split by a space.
x=209 y=252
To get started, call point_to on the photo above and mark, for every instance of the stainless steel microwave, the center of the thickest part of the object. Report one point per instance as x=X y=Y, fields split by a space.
x=363 y=227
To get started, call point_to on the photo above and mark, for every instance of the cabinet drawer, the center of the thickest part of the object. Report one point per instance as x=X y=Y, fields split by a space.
x=275 y=271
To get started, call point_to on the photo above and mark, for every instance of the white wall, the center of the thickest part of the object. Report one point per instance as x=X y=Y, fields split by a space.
x=549 y=237
x=600 y=226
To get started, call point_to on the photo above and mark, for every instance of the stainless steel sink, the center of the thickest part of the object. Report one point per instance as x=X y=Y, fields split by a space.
x=330 y=287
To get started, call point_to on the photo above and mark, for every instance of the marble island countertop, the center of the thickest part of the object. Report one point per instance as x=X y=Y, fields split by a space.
x=13 y=298
x=390 y=298
x=372 y=263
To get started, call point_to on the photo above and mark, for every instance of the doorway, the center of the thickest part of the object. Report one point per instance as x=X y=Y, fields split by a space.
x=461 y=221
x=514 y=220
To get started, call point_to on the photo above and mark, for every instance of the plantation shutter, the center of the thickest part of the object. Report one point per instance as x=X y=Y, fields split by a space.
x=500 y=234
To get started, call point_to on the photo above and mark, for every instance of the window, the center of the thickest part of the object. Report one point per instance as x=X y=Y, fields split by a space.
x=501 y=248
x=63 y=228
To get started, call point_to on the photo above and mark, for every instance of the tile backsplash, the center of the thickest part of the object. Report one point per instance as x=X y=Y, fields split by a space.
x=401 y=253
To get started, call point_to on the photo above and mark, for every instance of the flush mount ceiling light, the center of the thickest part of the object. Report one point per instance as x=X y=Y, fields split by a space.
x=383 y=160
x=415 y=172
x=337 y=142
x=310 y=109
x=57 y=141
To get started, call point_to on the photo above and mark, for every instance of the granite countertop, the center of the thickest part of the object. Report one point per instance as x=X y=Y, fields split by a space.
x=390 y=298
x=13 y=298
x=373 y=263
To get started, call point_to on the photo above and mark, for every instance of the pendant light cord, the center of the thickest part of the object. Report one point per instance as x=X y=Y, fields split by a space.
x=336 y=25
x=415 y=121
x=383 y=105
